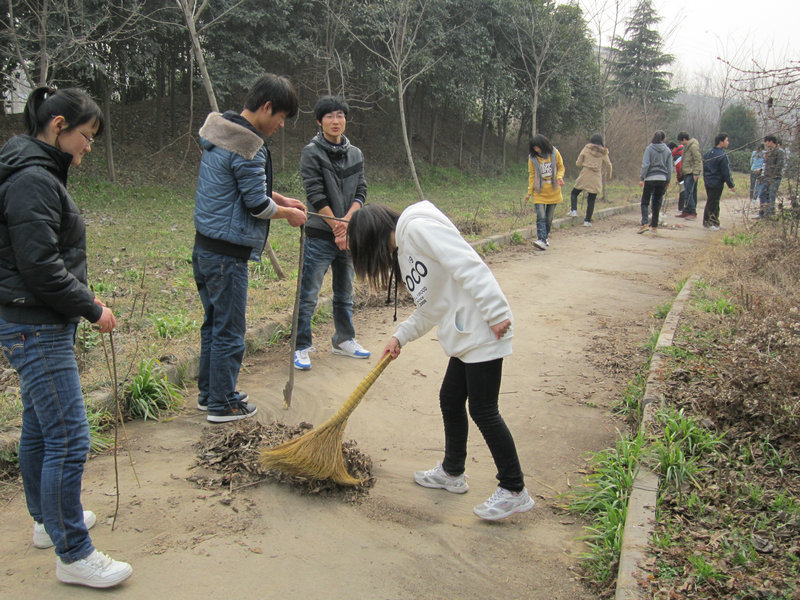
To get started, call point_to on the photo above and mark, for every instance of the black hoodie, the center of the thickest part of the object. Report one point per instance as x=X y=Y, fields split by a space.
x=42 y=238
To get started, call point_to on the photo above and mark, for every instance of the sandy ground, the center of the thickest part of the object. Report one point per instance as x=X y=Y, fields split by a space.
x=582 y=309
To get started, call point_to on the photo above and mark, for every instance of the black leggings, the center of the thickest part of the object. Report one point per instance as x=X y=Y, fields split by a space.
x=590 y=198
x=480 y=383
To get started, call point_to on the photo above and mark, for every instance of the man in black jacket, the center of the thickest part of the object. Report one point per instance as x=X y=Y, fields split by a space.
x=716 y=173
x=333 y=177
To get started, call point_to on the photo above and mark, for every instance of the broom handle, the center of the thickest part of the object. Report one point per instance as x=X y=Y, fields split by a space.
x=350 y=405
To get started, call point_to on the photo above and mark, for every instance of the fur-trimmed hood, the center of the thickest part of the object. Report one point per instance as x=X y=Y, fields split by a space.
x=232 y=132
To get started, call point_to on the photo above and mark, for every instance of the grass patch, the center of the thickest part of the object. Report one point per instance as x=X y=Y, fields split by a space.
x=150 y=395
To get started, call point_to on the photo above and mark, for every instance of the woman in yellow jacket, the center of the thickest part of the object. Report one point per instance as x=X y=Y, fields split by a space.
x=545 y=179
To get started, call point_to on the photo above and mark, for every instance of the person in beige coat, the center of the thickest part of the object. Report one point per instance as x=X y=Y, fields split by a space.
x=591 y=161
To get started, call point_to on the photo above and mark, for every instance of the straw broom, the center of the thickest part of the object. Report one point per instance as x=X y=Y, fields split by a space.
x=318 y=453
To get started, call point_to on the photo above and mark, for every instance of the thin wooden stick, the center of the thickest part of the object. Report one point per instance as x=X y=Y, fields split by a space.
x=313 y=214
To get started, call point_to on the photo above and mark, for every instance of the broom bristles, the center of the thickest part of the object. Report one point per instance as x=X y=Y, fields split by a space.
x=318 y=453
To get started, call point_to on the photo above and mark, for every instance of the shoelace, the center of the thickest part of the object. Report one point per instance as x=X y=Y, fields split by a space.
x=496 y=497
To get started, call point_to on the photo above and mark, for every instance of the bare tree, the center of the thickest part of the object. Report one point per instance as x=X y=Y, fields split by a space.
x=401 y=50
x=536 y=33
x=50 y=36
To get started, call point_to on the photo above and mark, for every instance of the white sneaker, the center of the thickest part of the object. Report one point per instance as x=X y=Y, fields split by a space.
x=96 y=570
x=42 y=540
x=572 y=213
x=302 y=360
x=714 y=228
x=352 y=349
x=439 y=479
x=503 y=504
x=587 y=223
x=540 y=245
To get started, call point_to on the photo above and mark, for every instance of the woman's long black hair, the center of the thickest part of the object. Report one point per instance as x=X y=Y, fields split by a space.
x=75 y=105
x=369 y=237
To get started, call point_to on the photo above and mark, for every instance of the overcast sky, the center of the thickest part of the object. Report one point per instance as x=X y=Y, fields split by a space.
x=697 y=31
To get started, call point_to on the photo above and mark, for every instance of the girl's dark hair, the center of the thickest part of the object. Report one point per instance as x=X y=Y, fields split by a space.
x=275 y=89
x=658 y=137
x=596 y=139
x=543 y=143
x=75 y=105
x=369 y=238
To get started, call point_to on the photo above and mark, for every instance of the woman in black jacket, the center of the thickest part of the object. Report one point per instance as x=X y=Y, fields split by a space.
x=43 y=295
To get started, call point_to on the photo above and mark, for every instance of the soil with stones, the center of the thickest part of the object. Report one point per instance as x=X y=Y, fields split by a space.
x=582 y=313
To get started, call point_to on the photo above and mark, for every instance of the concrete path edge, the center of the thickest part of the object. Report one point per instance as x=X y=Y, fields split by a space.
x=641 y=512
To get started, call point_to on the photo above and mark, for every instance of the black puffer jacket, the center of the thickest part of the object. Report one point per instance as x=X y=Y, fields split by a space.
x=42 y=238
x=333 y=175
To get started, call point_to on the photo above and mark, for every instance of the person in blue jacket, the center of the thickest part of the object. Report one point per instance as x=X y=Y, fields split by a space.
x=756 y=171
x=716 y=173
x=234 y=204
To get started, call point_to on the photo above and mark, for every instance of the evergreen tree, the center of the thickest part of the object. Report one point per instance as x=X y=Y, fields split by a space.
x=741 y=125
x=639 y=62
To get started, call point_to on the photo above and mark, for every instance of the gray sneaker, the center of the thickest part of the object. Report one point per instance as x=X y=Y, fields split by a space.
x=540 y=245
x=439 y=479
x=503 y=504
x=96 y=570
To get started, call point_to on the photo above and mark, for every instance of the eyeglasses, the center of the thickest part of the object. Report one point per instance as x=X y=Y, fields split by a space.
x=89 y=140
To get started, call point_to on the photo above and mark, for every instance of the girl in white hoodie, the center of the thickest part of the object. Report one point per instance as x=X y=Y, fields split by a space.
x=454 y=290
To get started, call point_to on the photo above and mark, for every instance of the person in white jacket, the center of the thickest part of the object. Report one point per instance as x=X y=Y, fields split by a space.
x=455 y=290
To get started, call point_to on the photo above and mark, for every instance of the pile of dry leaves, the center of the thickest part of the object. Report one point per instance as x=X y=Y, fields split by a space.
x=229 y=457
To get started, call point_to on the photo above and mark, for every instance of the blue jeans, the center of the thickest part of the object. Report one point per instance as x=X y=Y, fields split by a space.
x=477 y=385
x=55 y=434
x=319 y=255
x=769 y=190
x=690 y=189
x=544 y=219
x=222 y=284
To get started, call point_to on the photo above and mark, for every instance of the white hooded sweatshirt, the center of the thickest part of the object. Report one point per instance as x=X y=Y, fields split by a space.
x=451 y=286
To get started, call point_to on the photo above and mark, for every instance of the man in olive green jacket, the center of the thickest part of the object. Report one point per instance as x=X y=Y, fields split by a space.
x=691 y=168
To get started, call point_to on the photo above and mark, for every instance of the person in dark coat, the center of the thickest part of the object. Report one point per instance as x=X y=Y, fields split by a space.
x=43 y=295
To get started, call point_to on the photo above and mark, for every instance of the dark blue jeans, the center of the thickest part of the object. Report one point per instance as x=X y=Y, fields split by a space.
x=222 y=284
x=320 y=255
x=480 y=384
x=544 y=219
x=767 y=196
x=690 y=189
x=55 y=434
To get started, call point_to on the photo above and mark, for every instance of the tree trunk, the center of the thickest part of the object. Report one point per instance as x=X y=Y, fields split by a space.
x=484 y=118
x=406 y=142
x=107 y=140
x=198 y=53
x=461 y=140
x=172 y=95
x=159 y=111
x=434 y=120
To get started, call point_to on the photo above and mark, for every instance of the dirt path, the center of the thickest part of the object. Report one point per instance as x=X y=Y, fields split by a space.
x=581 y=311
